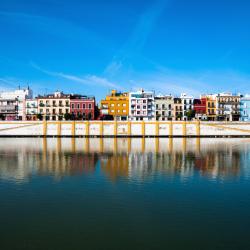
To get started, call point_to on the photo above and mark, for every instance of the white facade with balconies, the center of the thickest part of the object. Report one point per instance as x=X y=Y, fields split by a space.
x=31 y=109
x=187 y=104
x=20 y=95
x=141 y=105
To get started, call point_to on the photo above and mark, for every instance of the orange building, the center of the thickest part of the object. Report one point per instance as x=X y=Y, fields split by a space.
x=210 y=107
x=116 y=104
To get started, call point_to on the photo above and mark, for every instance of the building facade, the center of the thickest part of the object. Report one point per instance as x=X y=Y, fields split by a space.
x=116 y=104
x=20 y=95
x=31 y=109
x=8 y=109
x=245 y=108
x=164 y=107
x=82 y=107
x=141 y=105
x=210 y=106
x=200 y=108
x=228 y=107
x=187 y=106
x=53 y=106
x=178 y=110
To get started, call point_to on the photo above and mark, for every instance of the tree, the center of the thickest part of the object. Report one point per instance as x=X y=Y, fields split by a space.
x=67 y=116
x=190 y=114
x=179 y=116
x=39 y=117
x=79 y=116
x=89 y=116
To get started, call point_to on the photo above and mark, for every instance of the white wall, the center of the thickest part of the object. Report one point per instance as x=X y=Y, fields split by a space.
x=36 y=128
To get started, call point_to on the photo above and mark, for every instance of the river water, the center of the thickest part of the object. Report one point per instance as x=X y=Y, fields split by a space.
x=124 y=193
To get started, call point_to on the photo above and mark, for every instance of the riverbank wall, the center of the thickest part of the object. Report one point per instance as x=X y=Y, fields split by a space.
x=123 y=129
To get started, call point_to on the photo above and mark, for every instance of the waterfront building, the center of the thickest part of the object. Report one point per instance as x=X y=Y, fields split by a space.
x=210 y=106
x=116 y=104
x=164 y=107
x=8 y=109
x=228 y=107
x=178 y=110
x=31 y=109
x=82 y=107
x=200 y=108
x=187 y=106
x=20 y=95
x=141 y=105
x=54 y=106
x=245 y=108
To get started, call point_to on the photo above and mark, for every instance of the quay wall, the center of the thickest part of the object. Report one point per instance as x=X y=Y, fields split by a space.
x=123 y=129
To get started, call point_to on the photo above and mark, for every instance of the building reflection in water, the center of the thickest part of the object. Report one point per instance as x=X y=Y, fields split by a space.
x=22 y=158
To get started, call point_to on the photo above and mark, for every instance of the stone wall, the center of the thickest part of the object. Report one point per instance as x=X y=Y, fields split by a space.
x=124 y=129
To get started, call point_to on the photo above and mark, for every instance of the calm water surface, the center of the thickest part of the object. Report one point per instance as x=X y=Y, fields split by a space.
x=124 y=193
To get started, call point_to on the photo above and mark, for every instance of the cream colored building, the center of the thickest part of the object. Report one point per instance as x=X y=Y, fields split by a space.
x=54 y=106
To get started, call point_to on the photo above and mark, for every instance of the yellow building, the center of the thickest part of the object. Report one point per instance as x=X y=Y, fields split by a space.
x=210 y=107
x=116 y=104
x=53 y=106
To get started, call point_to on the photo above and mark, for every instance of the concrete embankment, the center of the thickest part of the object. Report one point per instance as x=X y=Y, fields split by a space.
x=123 y=129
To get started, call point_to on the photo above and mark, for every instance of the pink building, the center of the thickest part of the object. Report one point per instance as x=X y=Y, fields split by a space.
x=82 y=107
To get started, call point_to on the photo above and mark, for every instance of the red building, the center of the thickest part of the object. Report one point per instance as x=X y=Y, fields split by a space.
x=82 y=107
x=200 y=108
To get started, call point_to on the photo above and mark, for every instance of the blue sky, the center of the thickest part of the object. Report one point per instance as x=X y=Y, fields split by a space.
x=93 y=46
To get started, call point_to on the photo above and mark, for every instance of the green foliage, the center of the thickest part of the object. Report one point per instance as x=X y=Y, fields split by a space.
x=39 y=117
x=67 y=116
x=190 y=114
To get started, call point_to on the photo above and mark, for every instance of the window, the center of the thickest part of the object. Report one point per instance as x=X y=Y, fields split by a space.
x=138 y=107
x=144 y=106
x=112 y=105
x=67 y=111
x=163 y=106
x=112 y=111
x=118 y=104
x=78 y=105
x=84 y=106
x=90 y=106
x=72 y=106
x=144 y=101
x=124 y=111
x=124 y=104
x=138 y=112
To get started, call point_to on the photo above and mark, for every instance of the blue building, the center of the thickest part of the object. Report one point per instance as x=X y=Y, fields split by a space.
x=245 y=108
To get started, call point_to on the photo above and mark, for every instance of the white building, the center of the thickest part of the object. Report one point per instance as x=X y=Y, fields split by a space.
x=21 y=95
x=31 y=109
x=164 y=107
x=141 y=105
x=187 y=104
x=228 y=107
